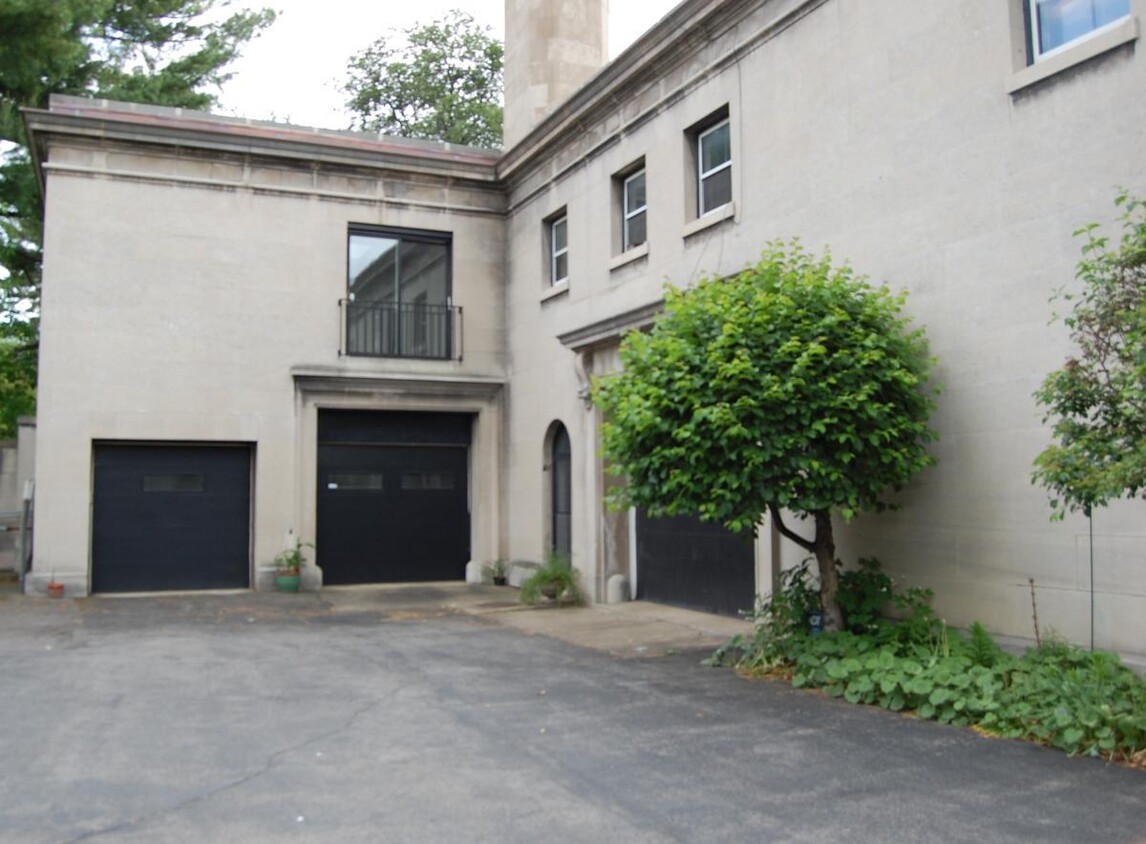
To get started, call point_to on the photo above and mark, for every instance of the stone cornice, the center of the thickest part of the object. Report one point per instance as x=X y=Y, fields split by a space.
x=167 y=127
x=339 y=380
x=611 y=329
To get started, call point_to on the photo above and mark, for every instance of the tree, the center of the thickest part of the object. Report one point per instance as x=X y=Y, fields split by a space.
x=166 y=52
x=794 y=385
x=1098 y=398
x=439 y=81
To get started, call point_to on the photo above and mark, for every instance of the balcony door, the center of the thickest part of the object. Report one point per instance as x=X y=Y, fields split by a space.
x=398 y=294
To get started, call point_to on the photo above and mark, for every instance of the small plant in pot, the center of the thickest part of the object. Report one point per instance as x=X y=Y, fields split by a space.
x=497 y=570
x=556 y=580
x=289 y=565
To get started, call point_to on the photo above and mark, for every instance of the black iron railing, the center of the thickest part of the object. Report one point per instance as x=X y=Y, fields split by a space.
x=386 y=329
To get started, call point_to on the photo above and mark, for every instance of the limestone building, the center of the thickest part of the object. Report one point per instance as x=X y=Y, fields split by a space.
x=385 y=347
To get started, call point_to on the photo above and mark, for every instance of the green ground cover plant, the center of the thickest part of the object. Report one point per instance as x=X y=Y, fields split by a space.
x=1057 y=694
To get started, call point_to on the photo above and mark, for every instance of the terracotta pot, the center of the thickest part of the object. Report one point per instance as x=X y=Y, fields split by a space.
x=55 y=590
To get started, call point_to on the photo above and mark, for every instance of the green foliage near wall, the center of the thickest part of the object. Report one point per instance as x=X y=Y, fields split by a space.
x=1097 y=400
x=438 y=81
x=1055 y=694
x=795 y=385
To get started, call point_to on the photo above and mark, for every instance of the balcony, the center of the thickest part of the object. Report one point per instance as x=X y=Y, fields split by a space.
x=391 y=330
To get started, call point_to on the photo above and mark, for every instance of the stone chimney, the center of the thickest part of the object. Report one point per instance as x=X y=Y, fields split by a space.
x=551 y=48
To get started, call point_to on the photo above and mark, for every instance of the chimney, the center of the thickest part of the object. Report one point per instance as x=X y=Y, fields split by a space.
x=551 y=48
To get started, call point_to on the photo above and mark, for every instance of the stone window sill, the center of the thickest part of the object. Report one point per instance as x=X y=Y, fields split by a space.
x=634 y=254
x=1084 y=50
x=712 y=218
x=559 y=289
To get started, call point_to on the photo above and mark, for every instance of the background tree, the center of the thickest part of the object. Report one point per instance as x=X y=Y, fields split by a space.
x=167 y=52
x=794 y=385
x=1098 y=398
x=439 y=81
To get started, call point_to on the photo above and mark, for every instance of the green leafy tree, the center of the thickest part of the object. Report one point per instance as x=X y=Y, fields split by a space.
x=166 y=52
x=1098 y=399
x=794 y=385
x=439 y=81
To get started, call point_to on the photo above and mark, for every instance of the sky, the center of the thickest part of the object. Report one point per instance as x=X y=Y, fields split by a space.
x=293 y=71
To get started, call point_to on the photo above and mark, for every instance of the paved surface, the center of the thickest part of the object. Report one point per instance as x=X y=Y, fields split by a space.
x=425 y=714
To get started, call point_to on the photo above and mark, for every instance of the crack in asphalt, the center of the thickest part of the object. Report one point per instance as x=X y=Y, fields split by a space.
x=267 y=766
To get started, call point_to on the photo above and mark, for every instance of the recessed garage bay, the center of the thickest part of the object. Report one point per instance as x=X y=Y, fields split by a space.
x=393 y=496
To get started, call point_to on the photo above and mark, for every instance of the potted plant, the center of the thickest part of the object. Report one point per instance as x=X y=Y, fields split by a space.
x=288 y=566
x=497 y=570
x=55 y=588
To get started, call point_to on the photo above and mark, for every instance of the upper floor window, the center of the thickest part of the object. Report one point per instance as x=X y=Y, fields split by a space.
x=398 y=293
x=559 y=250
x=634 y=228
x=1056 y=23
x=714 y=167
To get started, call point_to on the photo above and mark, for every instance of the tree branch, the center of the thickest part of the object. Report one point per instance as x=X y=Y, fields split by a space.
x=784 y=530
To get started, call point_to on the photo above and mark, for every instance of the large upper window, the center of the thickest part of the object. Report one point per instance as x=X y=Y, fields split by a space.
x=1056 y=23
x=398 y=293
x=714 y=167
x=634 y=229
x=559 y=250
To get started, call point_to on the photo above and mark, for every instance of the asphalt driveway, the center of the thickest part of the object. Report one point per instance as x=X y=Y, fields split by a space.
x=271 y=717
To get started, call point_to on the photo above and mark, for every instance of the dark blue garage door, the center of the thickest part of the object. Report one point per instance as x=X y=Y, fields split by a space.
x=393 y=496
x=169 y=517
x=689 y=563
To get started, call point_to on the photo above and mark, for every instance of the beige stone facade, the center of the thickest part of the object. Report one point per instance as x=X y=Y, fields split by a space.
x=193 y=268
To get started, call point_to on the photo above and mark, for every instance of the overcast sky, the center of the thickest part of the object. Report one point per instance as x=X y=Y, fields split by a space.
x=294 y=70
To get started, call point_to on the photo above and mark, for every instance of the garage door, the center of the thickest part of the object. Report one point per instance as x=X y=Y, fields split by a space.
x=170 y=517
x=393 y=496
x=689 y=563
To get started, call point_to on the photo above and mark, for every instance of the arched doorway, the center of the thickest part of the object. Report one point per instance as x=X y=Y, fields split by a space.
x=561 y=491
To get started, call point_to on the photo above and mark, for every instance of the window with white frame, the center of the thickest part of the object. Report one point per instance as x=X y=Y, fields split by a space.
x=558 y=250
x=714 y=167
x=1055 y=24
x=634 y=227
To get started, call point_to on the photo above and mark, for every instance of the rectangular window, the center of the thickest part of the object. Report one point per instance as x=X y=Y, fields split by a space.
x=354 y=481
x=558 y=250
x=173 y=483
x=398 y=293
x=1054 y=24
x=428 y=480
x=714 y=167
x=634 y=226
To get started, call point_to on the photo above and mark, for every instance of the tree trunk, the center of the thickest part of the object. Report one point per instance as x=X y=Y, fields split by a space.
x=825 y=551
x=823 y=546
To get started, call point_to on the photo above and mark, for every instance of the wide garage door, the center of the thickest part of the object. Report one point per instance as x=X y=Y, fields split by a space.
x=393 y=496
x=689 y=563
x=170 y=517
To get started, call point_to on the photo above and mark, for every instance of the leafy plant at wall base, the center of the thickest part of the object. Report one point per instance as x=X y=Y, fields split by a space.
x=1055 y=694
x=556 y=580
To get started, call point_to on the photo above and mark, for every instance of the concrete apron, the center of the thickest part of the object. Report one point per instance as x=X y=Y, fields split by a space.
x=630 y=629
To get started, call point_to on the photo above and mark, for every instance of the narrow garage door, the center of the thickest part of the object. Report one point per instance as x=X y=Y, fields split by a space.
x=689 y=563
x=170 y=517
x=393 y=496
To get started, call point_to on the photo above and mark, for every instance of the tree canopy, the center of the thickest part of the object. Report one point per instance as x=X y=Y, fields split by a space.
x=165 y=52
x=1098 y=398
x=794 y=385
x=438 y=81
